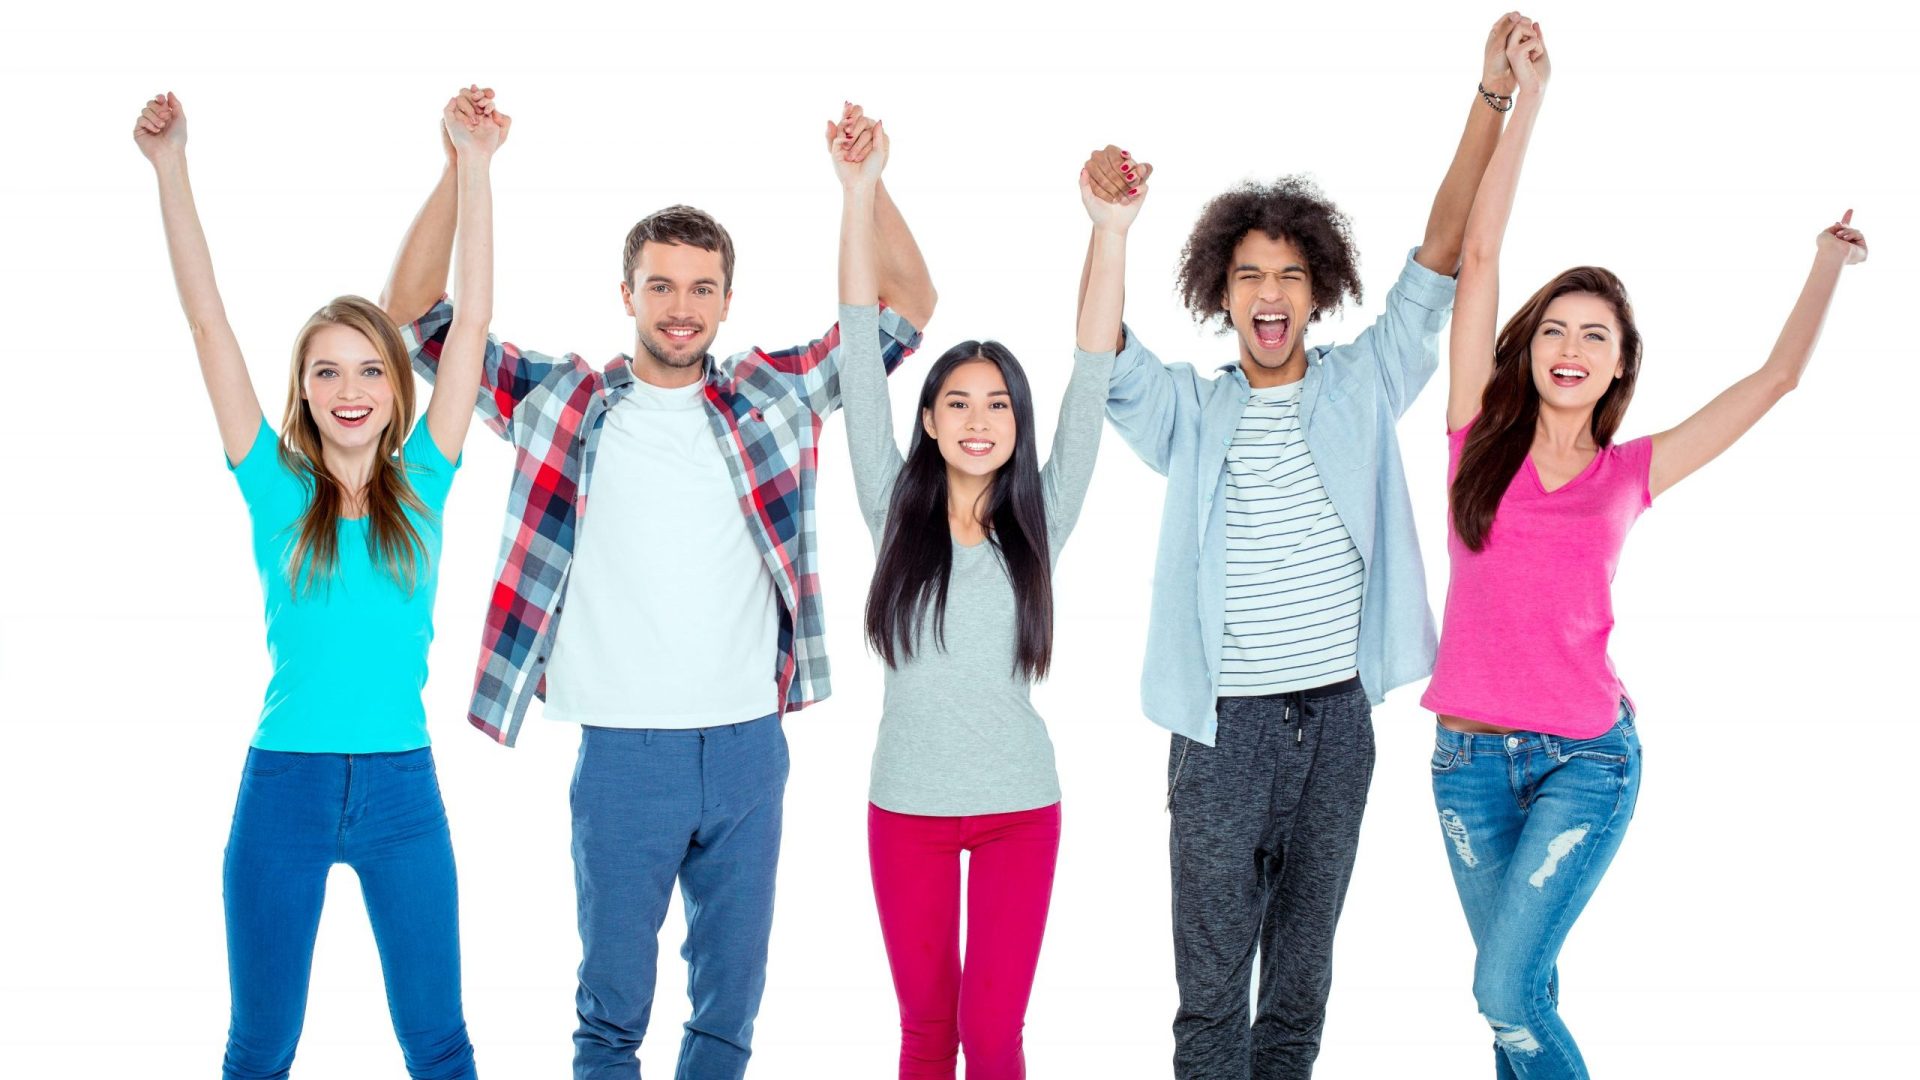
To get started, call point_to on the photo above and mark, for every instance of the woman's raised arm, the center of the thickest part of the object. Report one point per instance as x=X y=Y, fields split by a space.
x=161 y=134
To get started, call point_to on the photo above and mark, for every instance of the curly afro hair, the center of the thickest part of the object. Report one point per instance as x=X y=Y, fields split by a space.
x=1292 y=208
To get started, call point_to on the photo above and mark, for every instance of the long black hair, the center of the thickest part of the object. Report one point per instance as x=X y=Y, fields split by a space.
x=916 y=556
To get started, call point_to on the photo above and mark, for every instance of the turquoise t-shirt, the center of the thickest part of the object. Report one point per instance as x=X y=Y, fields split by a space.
x=349 y=655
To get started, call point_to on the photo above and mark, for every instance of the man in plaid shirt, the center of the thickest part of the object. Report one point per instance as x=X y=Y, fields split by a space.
x=695 y=618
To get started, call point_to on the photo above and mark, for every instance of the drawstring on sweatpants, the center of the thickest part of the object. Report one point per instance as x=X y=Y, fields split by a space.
x=1287 y=717
x=1177 y=766
x=1293 y=712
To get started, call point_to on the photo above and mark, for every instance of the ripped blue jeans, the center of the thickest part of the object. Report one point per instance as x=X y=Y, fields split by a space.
x=1530 y=822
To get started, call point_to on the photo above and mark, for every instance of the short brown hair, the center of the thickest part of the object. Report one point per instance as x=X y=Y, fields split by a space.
x=679 y=225
x=1290 y=208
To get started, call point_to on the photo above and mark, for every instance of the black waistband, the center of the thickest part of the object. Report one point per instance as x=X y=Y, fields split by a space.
x=1340 y=689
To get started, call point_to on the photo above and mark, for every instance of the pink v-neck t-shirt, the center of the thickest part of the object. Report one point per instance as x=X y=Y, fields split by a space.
x=1523 y=643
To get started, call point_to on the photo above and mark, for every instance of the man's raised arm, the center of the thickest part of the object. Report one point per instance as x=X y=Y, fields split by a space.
x=906 y=285
x=418 y=278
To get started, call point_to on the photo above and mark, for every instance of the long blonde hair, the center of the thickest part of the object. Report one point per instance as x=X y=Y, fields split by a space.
x=392 y=542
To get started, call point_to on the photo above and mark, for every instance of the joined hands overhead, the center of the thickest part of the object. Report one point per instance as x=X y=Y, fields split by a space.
x=471 y=123
x=858 y=145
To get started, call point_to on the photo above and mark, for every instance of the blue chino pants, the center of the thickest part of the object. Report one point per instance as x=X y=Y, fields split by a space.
x=652 y=807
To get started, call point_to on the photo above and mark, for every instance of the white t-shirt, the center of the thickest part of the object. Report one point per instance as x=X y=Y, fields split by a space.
x=671 y=620
x=1294 y=576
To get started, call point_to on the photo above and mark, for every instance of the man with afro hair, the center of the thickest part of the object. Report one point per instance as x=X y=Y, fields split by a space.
x=1288 y=593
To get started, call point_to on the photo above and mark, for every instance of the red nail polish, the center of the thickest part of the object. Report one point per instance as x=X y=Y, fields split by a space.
x=1123 y=153
x=1133 y=191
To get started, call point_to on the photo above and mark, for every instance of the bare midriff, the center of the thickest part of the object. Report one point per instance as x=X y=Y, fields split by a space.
x=1472 y=727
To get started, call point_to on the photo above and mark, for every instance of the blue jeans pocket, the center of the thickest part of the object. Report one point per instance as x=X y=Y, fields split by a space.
x=269 y=762
x=410 y=761
x=1610 y=748
x=1617 y=745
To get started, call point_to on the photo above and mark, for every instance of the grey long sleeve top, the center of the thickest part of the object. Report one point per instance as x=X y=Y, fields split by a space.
x=958 y=733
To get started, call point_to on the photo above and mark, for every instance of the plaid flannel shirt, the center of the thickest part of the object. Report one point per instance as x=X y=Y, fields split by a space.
x=765 y=409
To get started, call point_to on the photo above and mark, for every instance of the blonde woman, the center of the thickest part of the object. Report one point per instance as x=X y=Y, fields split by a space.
x=345 y=501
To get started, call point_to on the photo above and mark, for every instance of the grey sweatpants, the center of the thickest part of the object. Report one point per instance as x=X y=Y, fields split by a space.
x=1265 y=826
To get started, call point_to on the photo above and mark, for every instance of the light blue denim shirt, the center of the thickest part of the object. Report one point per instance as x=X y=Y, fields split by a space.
x=1181 y=424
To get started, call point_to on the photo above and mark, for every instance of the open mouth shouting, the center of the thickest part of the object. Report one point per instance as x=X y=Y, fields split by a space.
x=975 y=447
x=1273 y=330
x=1565 y=374
x=351 y=416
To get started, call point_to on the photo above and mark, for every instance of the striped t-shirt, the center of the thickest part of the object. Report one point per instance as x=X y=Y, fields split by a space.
x=1293 y=574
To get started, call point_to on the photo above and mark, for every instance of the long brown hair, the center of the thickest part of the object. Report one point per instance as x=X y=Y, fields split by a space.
x=1510 y=407
x=392 y=542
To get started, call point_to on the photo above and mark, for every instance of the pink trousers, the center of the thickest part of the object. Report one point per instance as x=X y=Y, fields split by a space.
x=946 y=1005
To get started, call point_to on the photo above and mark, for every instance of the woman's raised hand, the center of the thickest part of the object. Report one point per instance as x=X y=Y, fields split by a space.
x=471 y=124
x=1527 y=55
x=858 y=145
x=1113 y=175
x=1842 y=239
x=161 y=127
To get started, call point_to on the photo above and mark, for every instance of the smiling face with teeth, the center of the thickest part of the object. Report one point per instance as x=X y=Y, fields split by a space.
x=1567 y=359
x=971 y=418
x=1575 y=352
x=347 y=388
x=678 y=298
x=1269 y=301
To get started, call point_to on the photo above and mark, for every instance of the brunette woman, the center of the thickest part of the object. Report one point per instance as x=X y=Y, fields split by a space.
x=1536 y=763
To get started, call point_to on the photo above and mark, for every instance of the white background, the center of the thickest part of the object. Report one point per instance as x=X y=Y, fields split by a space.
x=1758 y=921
